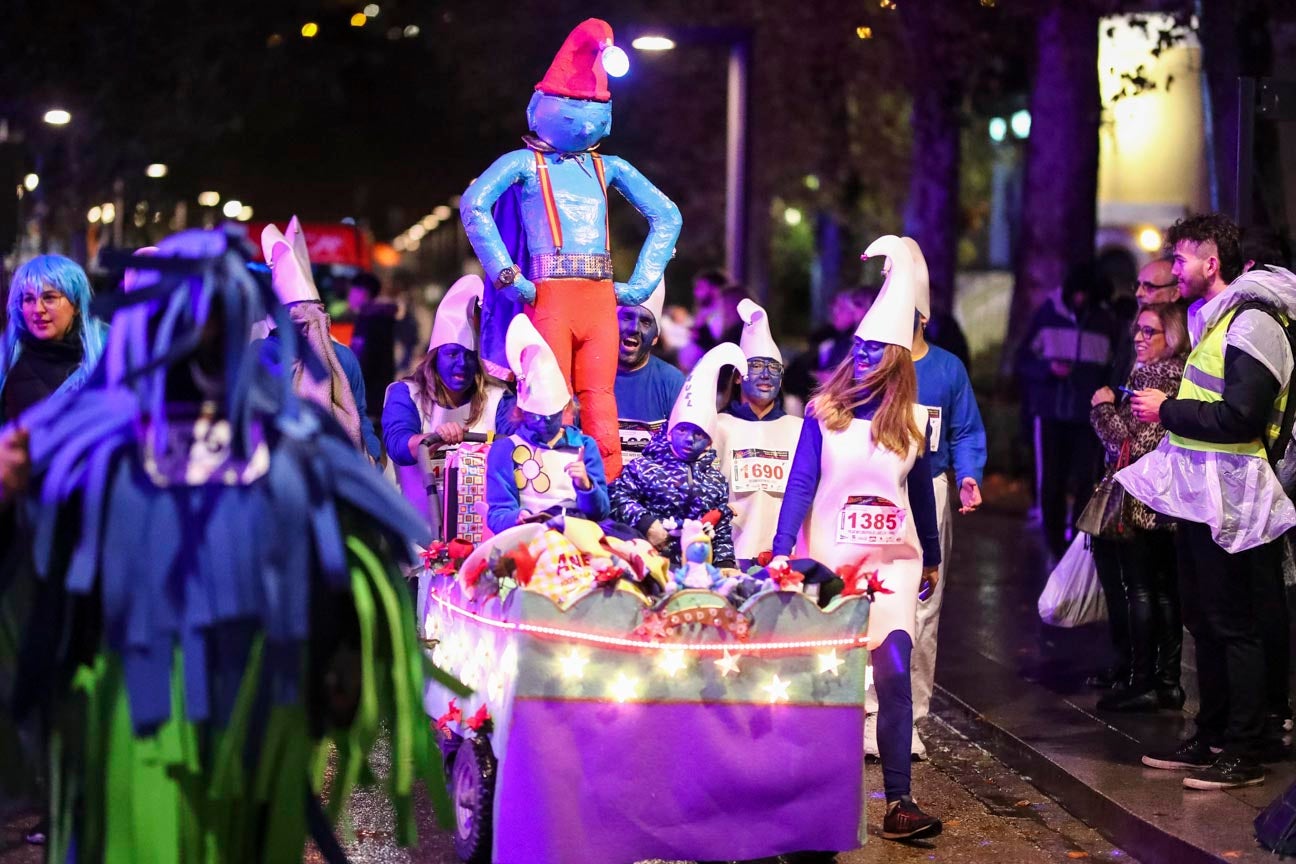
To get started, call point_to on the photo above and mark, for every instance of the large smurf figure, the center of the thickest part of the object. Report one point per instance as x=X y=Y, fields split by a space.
x=566 y=278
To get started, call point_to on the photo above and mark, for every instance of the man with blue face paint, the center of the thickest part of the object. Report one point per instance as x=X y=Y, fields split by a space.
x=562 y=187
x=755 y=439
x=646 y=385
x=676 y=478
x=545 y=467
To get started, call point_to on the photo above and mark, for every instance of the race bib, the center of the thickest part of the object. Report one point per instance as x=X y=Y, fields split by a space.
x=760 y=470
x=868 y=520
x=934 y=421
x=635 y=435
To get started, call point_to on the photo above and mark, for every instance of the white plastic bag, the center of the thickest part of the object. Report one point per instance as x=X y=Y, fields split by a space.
x=1073 y=596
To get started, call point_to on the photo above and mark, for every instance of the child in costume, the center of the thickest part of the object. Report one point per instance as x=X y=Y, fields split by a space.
x=446 y=396
x=676 y=478
x=217 y=588
x=545 y=467
x=755 y=439
x=563 y=199
x=341 y=389
x=861 y=487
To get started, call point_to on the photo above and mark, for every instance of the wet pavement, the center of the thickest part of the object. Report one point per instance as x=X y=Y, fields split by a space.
x=1016 y=685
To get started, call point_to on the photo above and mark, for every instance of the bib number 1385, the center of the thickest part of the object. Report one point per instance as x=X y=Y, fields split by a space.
x=870 y=525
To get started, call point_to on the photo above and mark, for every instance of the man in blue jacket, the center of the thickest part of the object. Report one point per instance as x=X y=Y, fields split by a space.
x=1063 y=359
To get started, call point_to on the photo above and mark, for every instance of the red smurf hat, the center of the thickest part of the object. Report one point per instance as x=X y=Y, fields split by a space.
x=577 y=70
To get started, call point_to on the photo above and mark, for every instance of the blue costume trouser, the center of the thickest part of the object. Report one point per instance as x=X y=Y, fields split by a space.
x=895 y=711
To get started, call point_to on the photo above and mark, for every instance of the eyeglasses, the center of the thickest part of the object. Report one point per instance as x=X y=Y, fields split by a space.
x=1145 y=332
x=759 y=367
x=48 y=299
x=1152 y=286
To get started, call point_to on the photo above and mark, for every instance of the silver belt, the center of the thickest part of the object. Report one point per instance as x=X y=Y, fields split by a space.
x=570 y=265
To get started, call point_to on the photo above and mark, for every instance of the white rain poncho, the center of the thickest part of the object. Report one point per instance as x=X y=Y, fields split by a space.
x=1238 y=496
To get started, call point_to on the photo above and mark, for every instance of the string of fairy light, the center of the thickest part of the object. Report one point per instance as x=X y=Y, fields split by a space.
x=471 y=656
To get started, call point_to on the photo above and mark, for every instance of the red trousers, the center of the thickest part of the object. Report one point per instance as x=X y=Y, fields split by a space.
x=577 y=317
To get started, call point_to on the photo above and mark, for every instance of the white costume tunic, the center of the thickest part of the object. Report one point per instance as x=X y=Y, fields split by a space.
x=414 y=480
x=756 y=458
x=861 y=510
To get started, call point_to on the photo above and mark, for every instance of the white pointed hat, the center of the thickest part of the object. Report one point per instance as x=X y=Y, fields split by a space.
x=756 y=340
x=922 y=282
x=697 y=400
x=890 y=319
x=656 y=301
x=541 y=388
x=454 y=314
x=289 y=263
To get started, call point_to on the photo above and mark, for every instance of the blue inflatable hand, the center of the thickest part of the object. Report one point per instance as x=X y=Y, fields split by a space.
x=630 y=295
x=525 y=288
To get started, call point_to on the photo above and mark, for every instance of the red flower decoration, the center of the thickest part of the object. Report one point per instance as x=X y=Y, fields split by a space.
x=764 y=558
x=786 y=578
x=861 y=581
x=459 y=549
x=473 y=574
x=479 y=719
x=524 y=564
x=452 y=715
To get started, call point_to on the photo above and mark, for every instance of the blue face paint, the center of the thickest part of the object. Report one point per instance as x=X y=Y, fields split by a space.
x=569 y=125
x=456 y=366
x=639 y=331
x=688 y=442
x=764 y=378
x=540 y=429
x=867 y=357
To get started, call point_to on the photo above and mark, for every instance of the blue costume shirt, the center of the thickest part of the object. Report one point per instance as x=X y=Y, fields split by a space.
x=648 y=393
x=943 y=383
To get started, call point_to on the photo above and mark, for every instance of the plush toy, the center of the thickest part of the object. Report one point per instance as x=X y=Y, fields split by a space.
x=562 y=197
x=697 y=570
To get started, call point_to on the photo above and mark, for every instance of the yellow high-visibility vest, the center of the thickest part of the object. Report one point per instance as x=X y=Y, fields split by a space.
x=1203 y=380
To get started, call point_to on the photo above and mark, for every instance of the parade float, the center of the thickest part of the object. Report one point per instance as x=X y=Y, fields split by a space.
x=616 y=715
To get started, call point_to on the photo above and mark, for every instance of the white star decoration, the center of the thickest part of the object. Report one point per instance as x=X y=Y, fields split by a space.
x=623 y=688
x=829 y=662
x=728 y=664
x=671 y=662
x=573 y=664
x=777 y=689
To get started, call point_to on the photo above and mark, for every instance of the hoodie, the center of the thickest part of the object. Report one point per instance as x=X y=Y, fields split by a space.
x=659 y=485
x=1238 y=495
x=1083 y=342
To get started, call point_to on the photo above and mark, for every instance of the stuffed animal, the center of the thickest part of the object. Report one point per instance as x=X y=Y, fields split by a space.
x=697 y=570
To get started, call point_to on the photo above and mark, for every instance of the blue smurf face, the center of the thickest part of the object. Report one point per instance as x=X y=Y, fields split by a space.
x=867 y=356
x=539 y=428
x=457 y=366
x=569 y=125
x=688 y=441
x=764 y=378
x=697 y=553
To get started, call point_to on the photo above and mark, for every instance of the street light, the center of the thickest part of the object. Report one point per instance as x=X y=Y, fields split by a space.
x=30 y=182
x=738 y=41
x=232 y=208
x=157 y=170
x=208 y=199
x=57 y=117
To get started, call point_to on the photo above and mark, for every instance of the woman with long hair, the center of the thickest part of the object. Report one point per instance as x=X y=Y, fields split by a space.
x=445 y=396
x=861 y=489
x=52 y=342
x=1144 y=551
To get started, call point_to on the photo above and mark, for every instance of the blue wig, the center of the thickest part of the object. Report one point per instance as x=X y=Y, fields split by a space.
x=66 y=277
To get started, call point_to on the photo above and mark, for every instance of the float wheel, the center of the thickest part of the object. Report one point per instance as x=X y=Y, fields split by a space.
x=472 y=793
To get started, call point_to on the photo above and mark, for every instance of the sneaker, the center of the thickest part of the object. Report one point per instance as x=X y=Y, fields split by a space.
x=1228 y=772
x=905 y=821
x=37 y=835
x=1190 y=755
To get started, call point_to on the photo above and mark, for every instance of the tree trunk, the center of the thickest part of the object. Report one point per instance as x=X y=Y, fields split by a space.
x=932 y=215
x=1218 y=35
x=1059 y=210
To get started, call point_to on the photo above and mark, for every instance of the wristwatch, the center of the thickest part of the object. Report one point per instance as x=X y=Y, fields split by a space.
x=507 y=276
